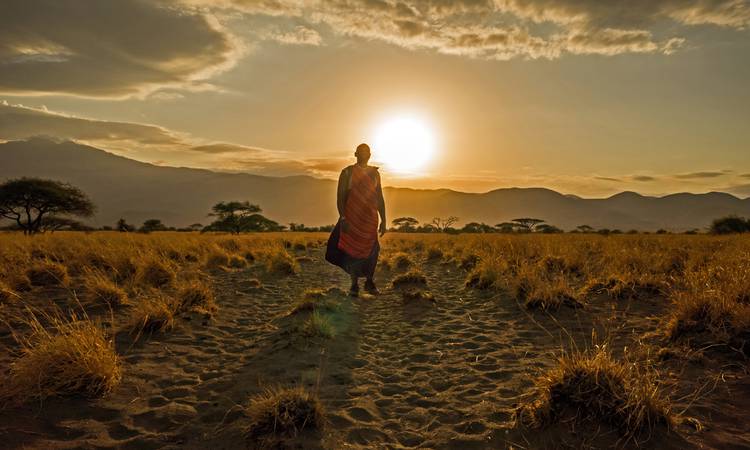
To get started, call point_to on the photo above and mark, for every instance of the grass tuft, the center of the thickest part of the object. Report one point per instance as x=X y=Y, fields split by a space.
x=100 y=289
x=318 y=325
x=198 y=296
x=593 y=385
x=155 y=273
x=61 y=356
x=47 y=273
x=416 y=296
x=283 y=412
x=411 y=278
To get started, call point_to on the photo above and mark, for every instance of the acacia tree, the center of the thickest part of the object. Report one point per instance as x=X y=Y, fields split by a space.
x=405 y=224
x=442 y=224
x=237 y=217
x=28 y=201
x=152 y=225
x=527 y=224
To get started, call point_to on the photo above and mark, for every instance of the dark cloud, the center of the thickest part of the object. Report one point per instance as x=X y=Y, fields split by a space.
x=745 y=175
x=153 y=143
x=20 y=122
x=643 y=178
x=615 y=180
x=699 y=175
x=99 y=48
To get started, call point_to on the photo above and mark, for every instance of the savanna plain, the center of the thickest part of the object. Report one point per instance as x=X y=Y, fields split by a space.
x=187 y=340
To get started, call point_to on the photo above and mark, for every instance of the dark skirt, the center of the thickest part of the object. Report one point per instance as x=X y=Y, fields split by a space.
x=364 y=267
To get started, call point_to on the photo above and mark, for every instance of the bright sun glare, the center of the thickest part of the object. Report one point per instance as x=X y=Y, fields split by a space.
x=404 y=144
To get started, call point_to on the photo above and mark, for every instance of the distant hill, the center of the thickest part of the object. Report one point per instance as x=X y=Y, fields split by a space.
x=137 y=191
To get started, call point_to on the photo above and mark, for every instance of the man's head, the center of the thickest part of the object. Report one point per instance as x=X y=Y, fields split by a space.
x=362 y=153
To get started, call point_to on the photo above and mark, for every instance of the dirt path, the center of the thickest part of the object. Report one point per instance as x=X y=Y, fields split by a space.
x=394 y=376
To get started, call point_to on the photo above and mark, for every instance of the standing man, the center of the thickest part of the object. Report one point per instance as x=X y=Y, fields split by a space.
x=353 y=245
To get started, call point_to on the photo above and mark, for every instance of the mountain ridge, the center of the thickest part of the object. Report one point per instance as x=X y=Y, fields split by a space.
x=122 y=187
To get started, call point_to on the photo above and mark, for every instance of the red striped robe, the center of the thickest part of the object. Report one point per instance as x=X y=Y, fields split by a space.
x=361 y=213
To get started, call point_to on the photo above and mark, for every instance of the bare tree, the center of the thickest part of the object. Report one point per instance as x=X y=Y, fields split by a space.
x=441 y=224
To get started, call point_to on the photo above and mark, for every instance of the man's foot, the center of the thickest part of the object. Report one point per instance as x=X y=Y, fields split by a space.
x=371 y=288
x=354 y=290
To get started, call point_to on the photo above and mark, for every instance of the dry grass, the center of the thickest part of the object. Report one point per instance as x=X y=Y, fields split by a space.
x=48 y=273
x=417 y=296
x=412 y=278
x=156 y=273
x=283 y=412
x=101 y=290
x=593 y=386
x=155 y=313
x=281 y=263
x=61 y=356
x=196 y=295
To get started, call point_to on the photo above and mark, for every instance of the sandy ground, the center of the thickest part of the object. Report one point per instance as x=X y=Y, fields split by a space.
x=443 y=375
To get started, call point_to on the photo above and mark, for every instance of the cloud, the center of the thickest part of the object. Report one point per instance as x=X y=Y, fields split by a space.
x=614 y=180
x=92 y=48
x=502 y=29
x=700 y=175
x=299 y=36
x=745 y=175
x=20 y=122
x=642 y=178
x=158 y=145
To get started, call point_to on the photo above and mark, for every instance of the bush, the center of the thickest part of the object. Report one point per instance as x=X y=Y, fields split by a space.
x=730 y=225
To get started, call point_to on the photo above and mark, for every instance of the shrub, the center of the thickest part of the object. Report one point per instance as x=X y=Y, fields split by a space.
x=65 y=356
x=283 y=413
x=48 y=273
x=730 y=225
x=593 y=386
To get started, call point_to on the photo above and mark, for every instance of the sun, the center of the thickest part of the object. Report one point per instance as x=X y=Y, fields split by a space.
x=403 y=144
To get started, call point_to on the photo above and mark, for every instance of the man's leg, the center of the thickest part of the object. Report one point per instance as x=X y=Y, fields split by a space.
x=370 y=272
x=354 y=289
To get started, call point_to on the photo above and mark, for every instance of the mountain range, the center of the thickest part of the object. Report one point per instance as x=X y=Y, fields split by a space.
x=122 y=187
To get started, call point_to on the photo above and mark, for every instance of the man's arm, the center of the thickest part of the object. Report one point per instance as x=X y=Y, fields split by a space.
x=381 y=207
x=341 y=192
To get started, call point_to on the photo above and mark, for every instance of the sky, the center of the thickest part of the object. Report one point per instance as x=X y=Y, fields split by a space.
x=587 y=97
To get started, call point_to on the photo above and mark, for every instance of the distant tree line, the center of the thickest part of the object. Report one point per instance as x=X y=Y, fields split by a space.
x=35 y=205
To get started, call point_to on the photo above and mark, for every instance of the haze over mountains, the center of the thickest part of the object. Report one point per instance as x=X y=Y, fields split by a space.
x=137 y=191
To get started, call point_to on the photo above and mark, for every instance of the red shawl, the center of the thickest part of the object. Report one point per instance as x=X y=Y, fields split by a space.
x=361 y=213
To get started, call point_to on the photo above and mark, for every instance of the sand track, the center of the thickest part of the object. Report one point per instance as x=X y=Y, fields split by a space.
x=443 y=375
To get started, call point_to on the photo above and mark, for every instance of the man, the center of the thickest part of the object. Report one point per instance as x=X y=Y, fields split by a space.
x=353 y=245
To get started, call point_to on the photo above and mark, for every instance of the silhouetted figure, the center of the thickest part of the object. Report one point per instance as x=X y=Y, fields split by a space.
x=353 y=244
